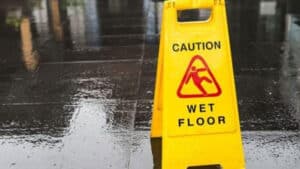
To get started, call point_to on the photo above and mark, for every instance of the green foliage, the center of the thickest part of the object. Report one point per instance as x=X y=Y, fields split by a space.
x=66 y=3
x=13 y=22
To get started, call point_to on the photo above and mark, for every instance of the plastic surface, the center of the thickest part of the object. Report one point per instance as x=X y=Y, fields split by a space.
x=195 y=106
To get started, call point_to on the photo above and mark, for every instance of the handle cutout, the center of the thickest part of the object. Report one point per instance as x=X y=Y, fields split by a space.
x=206 y=167
x=194 y=15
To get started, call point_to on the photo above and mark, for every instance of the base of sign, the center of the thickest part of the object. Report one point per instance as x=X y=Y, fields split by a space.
x=156 y=146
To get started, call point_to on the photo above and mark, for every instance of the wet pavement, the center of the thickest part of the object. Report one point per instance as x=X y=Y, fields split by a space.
x=77 y=80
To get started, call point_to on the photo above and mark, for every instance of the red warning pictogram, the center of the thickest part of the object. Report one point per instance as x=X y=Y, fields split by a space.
x=198 y=81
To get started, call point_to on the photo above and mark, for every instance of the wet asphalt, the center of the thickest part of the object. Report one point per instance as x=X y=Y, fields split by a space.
x=77 y=80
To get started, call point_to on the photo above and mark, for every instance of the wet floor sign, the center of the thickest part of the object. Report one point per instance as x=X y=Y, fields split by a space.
x=195 y=108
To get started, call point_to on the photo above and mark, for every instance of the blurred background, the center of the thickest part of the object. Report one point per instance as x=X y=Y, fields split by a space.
x=77 y=80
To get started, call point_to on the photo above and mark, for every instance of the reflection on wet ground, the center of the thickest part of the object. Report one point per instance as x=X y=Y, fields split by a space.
x=77 y=76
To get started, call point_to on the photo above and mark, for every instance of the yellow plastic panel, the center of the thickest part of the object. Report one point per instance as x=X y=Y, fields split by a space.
x=195 y=108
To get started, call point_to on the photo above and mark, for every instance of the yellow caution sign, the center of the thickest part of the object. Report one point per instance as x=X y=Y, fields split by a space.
x=195 y=108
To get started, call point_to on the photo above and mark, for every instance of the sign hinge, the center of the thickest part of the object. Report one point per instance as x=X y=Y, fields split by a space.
x=218 y=2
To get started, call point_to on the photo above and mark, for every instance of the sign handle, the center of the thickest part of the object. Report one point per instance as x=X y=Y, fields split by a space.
x=210 y=25
x=193 y=4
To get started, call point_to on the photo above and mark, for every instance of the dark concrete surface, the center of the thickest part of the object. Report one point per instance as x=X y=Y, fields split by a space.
x=77 y=80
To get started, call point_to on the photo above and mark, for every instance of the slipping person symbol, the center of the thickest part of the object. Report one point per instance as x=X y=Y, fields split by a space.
x=198 y=80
